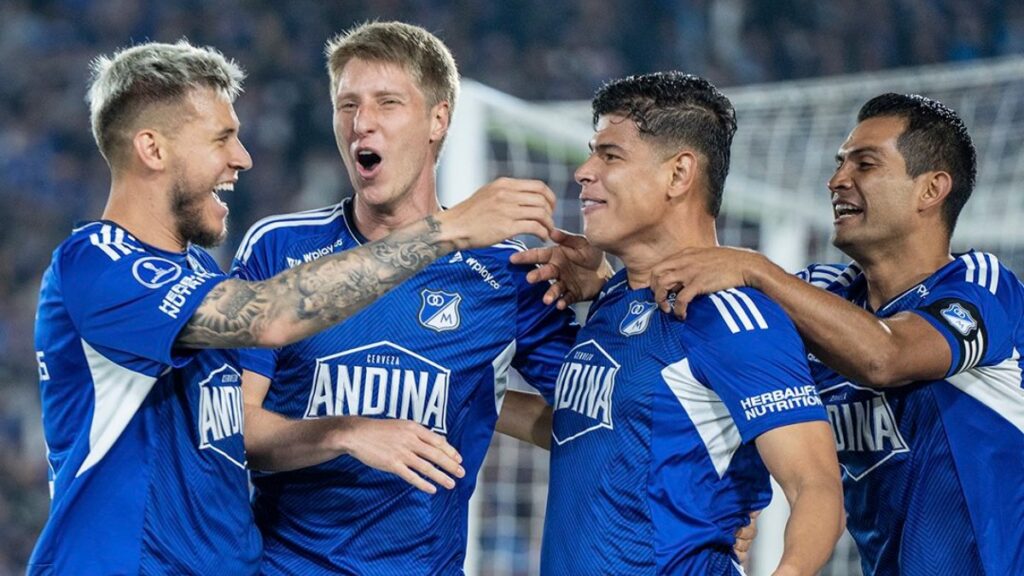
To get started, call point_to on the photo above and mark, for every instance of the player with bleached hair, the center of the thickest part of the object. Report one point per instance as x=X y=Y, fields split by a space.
x=142 y=405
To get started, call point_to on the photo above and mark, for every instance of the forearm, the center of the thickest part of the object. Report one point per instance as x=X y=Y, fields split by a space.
x=847 y=338
x=307 y=299
x=275 y=443
x=815 y=523
x=526 y=417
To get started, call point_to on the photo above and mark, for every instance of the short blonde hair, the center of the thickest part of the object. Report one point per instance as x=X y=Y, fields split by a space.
x=133 y=80
x=421 y=53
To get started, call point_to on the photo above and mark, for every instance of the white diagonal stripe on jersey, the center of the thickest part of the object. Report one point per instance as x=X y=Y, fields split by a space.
x=708 y=413
x=737 y=308
x=751 y=307
x=118 y=392
x=851 y=272
x=994 y=267
x=997 y=387
x=500 y=366
x=94 y=239
x=726 y=315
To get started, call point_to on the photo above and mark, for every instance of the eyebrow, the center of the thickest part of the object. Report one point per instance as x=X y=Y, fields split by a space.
x=605 y=147
x=226 y=132
x=840 y=156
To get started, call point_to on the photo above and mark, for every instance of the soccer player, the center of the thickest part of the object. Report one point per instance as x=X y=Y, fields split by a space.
x=663 y=432
x=916 y=350
x=434 y=354
x=142 y=409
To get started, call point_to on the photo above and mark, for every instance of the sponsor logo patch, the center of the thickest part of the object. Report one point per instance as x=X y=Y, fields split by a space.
x=153 y=272
x=865 y=428
x=583 y=392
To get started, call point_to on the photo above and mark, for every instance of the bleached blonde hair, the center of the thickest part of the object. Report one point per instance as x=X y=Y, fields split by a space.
x=128 y=85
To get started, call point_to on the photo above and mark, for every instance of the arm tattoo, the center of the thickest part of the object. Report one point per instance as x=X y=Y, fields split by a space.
x=302 y=301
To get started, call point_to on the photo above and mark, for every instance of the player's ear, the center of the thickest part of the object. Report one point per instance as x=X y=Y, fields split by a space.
x=934 y=189
x=683 y=173
x=440 y=115
x=150 y=147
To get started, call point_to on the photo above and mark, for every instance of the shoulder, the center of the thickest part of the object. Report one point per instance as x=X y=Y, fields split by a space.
x=494 y=259
x=831 y=277
x=735 y=311
x=979 y=269
x=288 y=226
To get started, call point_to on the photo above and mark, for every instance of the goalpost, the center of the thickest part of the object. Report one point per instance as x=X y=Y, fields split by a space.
x=775 y=201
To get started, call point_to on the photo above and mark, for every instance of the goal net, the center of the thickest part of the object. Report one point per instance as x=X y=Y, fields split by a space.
x=775 y=201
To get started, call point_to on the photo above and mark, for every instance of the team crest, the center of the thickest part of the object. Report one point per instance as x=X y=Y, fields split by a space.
x=960 y=319
x=637 y=318
x=439 y=310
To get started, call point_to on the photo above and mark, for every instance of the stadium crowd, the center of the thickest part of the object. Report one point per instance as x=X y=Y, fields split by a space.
x=51 y=176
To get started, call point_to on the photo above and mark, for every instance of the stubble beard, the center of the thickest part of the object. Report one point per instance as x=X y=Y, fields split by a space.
x=187 y=209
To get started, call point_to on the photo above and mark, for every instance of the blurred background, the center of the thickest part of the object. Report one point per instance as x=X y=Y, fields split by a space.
x=796 y=69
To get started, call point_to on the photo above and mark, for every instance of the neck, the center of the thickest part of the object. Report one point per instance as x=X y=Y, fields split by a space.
x=642 y=256
x=375 y=221
x=900 y=266
x=140 y=206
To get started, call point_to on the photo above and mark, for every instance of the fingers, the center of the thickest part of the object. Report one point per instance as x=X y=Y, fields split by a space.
x=430 y=472
x=415 y=480
x=533 y=256
x=683 y=299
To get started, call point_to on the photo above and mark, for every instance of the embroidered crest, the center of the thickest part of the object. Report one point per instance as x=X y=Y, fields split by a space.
x=439 y=310
x=637 y=318
x=959 y=318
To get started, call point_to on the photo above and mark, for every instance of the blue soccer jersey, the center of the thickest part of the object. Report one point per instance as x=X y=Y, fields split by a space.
x=933 y=472
x=437 y=350
x=653 y=465
x=144 y=440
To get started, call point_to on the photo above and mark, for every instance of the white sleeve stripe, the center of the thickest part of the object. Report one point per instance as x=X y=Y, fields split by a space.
x=738 y=310
x=994 y=267
x=828 y=269
x=245 y=250
x=969 y=262
x=818 y=275
x=983 y=280
x=258 y=226
x=725 y=313
x=751 y=307
x=95 y=240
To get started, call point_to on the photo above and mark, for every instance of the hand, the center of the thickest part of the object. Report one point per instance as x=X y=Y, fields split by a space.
x=695 y=271
x=577 y=269
x=500 y=210
x=745 y=537
x=405 y=449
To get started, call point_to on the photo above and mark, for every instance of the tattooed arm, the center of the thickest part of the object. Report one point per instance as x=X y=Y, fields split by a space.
x=306 y=299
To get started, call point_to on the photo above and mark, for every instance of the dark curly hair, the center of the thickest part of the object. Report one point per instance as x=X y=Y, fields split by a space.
x=677 y=110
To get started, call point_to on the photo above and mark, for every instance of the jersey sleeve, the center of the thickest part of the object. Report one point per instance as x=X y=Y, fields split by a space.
x=133 y=302
x=544 y=335
x=252 y=264
x=970 y=313
x=760 y=373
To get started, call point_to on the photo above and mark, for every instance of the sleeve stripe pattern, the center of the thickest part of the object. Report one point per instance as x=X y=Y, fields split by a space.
x=111 y=241
x=737 y=308
x=982 y=269
x=311 y=218
x=972 y=351
x=848 y=275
